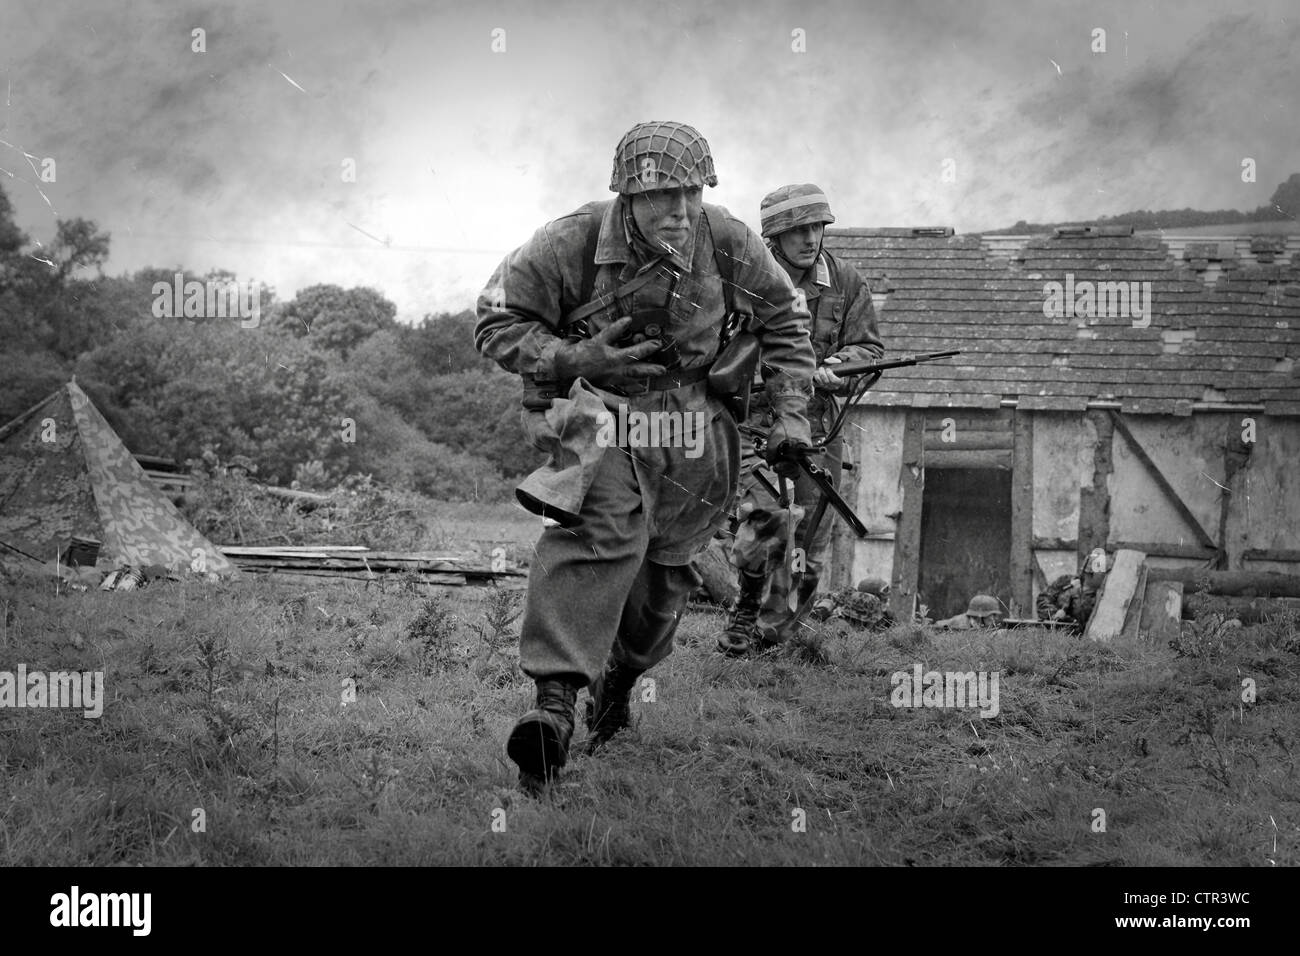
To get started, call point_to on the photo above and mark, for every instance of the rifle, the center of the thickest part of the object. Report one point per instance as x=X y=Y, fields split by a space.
x=803 y=456
x=867 y=368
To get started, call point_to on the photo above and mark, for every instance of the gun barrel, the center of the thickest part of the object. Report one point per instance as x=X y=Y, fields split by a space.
x=902 y=361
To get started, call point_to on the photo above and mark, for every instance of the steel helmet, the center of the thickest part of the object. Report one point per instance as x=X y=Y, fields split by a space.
x=793 y=206
x=661 y=155
x=982 y=605
x=874 y=586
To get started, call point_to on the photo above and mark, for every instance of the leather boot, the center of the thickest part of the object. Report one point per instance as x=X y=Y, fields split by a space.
x=610 y=707
x=539 y=743
x=738 y=637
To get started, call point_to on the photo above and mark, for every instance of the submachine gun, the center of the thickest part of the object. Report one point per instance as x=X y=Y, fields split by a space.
x=804 y=455
x=862 y=376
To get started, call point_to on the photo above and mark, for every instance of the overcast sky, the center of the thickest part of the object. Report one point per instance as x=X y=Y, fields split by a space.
x=232 y=158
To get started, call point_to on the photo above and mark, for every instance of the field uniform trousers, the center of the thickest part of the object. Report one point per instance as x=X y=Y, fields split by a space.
x=769 y=551
x=620 y=577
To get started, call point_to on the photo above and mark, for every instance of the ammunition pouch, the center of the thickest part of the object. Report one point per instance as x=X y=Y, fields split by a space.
x=653 y=324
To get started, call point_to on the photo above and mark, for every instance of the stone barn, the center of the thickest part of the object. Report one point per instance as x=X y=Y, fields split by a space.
x=1114 y=390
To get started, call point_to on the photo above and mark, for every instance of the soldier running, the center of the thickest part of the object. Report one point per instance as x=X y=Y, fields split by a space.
x=611 y=576
x=836 y=304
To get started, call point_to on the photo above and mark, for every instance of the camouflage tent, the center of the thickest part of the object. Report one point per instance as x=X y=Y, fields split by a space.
x=64 y=472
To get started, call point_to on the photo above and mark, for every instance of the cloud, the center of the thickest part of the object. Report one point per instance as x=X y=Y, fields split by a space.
x=216 y=159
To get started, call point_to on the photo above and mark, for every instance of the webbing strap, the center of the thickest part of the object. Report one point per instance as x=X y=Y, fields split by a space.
x=723 y=256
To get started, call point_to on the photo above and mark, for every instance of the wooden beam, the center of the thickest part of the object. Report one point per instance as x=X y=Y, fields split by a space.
x=1270 y=554
x=1055 y=544
x=1094 y=499
x=1193 y=522
x=1164 y=549
x=969 y=440
x=1258 y=610
x=907 y=541
x=1022 y=515
x=1248 y=583
x=970 y=458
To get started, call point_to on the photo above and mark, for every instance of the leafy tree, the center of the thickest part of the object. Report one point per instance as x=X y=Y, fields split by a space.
x=1286 y=198
x=335 y=318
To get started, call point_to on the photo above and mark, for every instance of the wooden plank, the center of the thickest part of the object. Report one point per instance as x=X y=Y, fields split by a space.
x=972 y=458
x=1022 y=515
x=229 y=549
x=1164 y=549
x=1107 y=619
x=1133 y=616
x=1162 y=611
x=966 y=441
x=318 y=577
x=1270 y=554
x=1192 y=521
x=907 y=541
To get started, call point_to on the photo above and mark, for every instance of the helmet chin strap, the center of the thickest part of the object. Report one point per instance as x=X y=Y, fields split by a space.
x=780 y=253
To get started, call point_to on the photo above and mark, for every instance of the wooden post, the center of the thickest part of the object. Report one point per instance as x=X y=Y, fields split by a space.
x=907 y=541
x=1022 y=516
x=1162 y=611
x=1094 y=500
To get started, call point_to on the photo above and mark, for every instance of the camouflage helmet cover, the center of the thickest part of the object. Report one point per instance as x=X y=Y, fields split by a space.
x=873 y=586
x=790 y=207
x=982 y=605
x=661 y=155
x=861 y=608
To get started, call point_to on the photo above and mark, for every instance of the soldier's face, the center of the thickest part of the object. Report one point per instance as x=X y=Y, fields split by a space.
x=667 y=216
x=801 y=245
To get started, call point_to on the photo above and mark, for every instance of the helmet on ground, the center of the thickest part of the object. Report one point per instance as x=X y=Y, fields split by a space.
x=790 y=207
x=983 y=605
x=874 y=586
x=661 y=155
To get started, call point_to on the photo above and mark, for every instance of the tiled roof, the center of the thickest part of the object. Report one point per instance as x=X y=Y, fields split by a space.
x=1224 y=319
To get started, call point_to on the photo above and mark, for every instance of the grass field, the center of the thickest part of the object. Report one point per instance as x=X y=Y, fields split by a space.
x=224 y=740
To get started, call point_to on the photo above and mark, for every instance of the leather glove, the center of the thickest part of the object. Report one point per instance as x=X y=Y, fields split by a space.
x=784 y=458
x=601 y=362
x=789 y=404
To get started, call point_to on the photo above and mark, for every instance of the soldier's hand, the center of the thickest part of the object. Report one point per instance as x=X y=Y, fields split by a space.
x=601 y=362
x=827 y=379
x=784 y=458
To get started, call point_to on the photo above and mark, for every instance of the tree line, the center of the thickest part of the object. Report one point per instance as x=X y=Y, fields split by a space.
x=327 y=384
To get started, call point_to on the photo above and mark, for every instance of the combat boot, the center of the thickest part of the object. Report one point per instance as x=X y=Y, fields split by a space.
x=739 y=635
x=610 y=707
x=539 y=743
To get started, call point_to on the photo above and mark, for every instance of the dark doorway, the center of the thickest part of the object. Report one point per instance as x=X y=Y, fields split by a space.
x=965 y=538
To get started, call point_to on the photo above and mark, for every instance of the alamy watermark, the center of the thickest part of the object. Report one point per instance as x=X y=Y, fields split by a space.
x=637 y=429
x=209 y=299
x=65 y=689
x=946 y=689
x=1098 y=300
x=75 y=909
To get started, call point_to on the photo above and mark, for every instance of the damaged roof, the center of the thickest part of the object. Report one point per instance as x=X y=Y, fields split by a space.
x=1219 y=322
